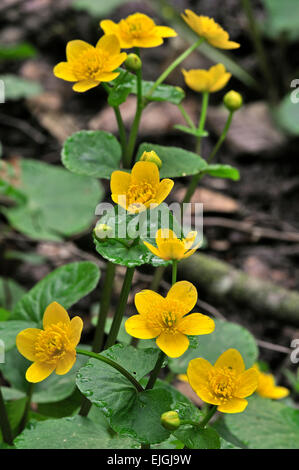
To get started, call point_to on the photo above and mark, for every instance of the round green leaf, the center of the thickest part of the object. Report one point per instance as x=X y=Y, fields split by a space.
x=175 y=161
x=223 y=171
x=287 y=114
x=225 y=336
x=9 y=331
x=266 y=424
x=195 y=438
x=92 y=153
x=16 y=88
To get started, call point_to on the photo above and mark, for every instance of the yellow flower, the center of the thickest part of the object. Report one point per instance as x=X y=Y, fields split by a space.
x=52 y=348
x=139 y=190
x=88 y=66
x=207 y=28
x=166 y=318
x=170 y=247
x=210 y=81
x=151 y=157
x=137 y=30
x=183 y=378
x=225 y=384
x=267 y=388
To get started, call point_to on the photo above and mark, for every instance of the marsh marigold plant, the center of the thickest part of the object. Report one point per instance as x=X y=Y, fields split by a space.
x=208 y=29
x=210 y=81
x=137 y=30
x=54 y=347
x=226 y=384
x=170 y=247
x=167 y=318
x=88 y=66
x=267 y=387
x=140 y=189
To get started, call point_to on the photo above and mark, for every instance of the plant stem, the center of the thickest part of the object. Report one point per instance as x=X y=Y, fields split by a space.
x=259 y=47
x=113 y=364
x=120 y=308
x=119 y=120
x=174 y=270
x=104 y=307
x=4 y=422
x=186 y=116
x=173 y=65
x=208 y=416
x=222 y=137
x=155 y=371
x=27 y=407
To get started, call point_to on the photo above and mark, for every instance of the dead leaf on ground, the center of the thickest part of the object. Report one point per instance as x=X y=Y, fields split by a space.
x=212 y=201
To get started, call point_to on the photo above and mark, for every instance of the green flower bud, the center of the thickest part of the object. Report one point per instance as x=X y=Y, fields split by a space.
x=151 y=157
x=170 y=420
x=233 y=100
x=133 y=62
x=102 y=231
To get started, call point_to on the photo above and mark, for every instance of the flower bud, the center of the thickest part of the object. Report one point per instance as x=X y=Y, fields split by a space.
x=102 y=231
x=133 y=62
x=170 y=420
x=151 y=157
x=233 y=100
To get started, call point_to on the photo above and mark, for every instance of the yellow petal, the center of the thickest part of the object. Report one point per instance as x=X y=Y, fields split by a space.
x=276 y=393
x=174 y=345
x=109 y=27
x=247 y=383
x=183 y=378
x=39 y=371
x=114 y=62
x=234 y=405
x=55 y=313
x=197 y=80
x=153 y=249
x=189 y=240
x=147 y=301
x=137 y=326
x=25 y=342
x=231 y=359
x=165 y=32
x=198 y=377
x=164 y=188
x=75 y=48
x=120 y=182
x=196 y=324
x=164 y=234
x=107 y=76
x=76 y=327
x=65 y=364
x=64 y=70
x=109 y=43
x=171 y=250
x=190 y=252
x=85 y=85
x=145 y=172
x=184 y=292
x=221 y=83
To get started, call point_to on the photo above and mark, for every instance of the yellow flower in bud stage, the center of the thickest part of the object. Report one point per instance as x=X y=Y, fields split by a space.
x=137 y=30
x=52 y=348
x=140 y=190
x=88 y=66
x=267 y=387
x=225 y=384
x=208 y=29
x=151 y=157
x=210 y=81
x=166 y=319
x=170 y=247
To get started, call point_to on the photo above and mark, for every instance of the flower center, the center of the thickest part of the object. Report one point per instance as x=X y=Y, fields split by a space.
x=139 y=194
x=88 y=65
x=52 y=343
x=222 y=383
x=165 y=317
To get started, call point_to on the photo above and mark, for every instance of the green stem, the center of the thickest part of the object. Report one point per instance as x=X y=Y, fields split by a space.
x=113 y=364
x=174 y=270
x=155 y=371
x=208 y=416
x=120 y=308
x=4 y=422
x=27 y=407
x=135 y=126
x=173 y=65
x=186 y=116
x=119 y=120
x=222 y=137
x=259 y=47
x=104 y=307
x=203 y=116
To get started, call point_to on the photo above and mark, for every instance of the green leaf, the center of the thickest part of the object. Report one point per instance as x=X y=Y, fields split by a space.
x=66 y=285
x=16 y=88
x=125 y=84
x=12 y=393
x=225 y=336
x=60 y=409
x=189 y=130
x=195 y=438
x=10 y=329
x=287 y=114
x=266 y=424
x=10 y=293
x=59 y=203
x=15 y=410
x=4 y=315
x=69 y=433
x=96 y=8
x=175 y=161
x=6 y=189
x=20 y=51
x=91 y=153
x=222 y=171
x=282 y=17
